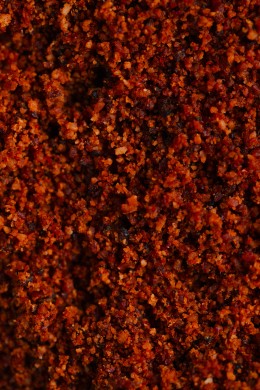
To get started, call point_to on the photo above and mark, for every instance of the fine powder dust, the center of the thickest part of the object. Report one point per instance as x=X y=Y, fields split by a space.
x=129 y=185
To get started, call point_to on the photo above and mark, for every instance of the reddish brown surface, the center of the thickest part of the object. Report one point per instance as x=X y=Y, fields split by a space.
x=129 y=194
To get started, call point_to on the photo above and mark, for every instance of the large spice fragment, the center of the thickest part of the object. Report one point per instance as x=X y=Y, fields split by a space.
x=129 y=188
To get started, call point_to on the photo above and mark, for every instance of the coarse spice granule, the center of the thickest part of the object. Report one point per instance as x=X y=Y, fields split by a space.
x=129 y=188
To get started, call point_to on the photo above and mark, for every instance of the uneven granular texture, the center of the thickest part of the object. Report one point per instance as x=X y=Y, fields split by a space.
x=129 y=193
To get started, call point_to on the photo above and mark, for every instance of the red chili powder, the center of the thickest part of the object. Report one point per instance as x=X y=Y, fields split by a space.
x=129 y=186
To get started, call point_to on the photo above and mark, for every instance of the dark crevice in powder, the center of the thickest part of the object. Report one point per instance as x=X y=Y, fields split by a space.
x=53 y=129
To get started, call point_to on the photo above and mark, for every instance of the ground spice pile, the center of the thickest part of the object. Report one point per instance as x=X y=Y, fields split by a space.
x=129 y=194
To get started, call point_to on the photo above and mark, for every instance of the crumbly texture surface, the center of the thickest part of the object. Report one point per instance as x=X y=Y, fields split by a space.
x=129 y=168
